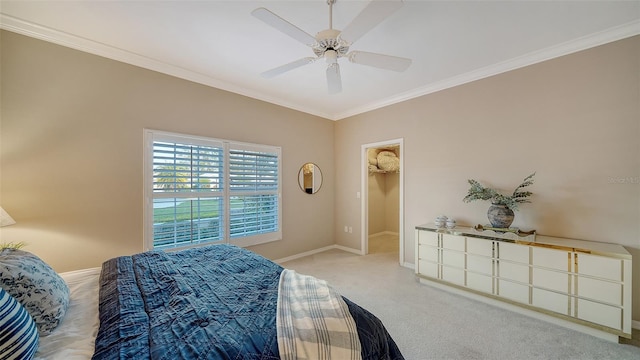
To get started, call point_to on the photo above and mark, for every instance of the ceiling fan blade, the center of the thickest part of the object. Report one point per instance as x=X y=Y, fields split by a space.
x=369 y=18
x=381 y=61
x=283 y=26
x=333 y=78
x=286 y=67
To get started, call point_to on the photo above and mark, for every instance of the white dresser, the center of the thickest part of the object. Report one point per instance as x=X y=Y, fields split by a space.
x=584 y=282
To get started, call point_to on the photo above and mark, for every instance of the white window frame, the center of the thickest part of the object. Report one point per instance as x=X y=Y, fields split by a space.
x=155 y=135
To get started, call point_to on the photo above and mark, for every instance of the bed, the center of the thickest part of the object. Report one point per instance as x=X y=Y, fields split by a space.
x=212 y=302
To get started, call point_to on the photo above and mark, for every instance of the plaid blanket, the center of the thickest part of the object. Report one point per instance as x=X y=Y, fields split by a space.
x=313 y=320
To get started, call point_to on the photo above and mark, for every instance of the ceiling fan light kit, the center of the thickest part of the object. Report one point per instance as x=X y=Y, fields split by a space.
x=332 y=44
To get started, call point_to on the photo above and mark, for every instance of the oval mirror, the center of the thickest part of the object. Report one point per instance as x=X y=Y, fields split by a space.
x=310 y=178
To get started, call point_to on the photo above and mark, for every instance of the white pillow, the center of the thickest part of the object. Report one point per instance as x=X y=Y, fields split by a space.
x=18 y=331
x=36 y=286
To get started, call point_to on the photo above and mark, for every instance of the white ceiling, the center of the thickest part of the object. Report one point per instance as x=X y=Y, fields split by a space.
x=218 y=43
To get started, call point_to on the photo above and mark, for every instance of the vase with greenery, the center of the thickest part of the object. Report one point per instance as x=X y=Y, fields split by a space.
x=500 y=213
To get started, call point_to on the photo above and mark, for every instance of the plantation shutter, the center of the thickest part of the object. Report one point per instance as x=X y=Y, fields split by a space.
x=188 y=187
x=187 y=167
x=254 y=190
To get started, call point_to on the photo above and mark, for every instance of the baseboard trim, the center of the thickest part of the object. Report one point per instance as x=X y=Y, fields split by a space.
x=635 y=324
x=317 y=251
x=348 y=249
x=306 y=253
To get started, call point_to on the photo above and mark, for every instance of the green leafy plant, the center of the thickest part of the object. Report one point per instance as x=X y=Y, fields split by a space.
x=519 y=196
x=12 y=245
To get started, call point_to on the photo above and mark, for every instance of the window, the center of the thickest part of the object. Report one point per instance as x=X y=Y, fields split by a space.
x=202 y=191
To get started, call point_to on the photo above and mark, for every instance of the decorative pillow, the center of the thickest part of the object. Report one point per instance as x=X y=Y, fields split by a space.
x=36 y=286
x=18 y=331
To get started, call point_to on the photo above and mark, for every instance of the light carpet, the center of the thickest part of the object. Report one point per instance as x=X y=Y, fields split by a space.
x=429 y=323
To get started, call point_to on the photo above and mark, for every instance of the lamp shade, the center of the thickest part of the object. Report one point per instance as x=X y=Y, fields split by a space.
x=5 y=219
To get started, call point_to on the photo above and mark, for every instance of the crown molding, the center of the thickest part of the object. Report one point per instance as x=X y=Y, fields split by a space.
x=27 y=28
x=75 y=42
x=586 y=42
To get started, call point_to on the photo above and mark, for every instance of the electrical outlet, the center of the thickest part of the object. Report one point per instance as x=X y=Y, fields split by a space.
x=350 y=230
x=346 y=228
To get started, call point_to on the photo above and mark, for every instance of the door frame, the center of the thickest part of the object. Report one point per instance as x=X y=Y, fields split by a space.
x=364 y=190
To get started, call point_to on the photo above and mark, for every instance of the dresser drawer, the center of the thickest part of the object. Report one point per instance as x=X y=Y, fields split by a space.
x=550 y=258
x=599 y=290
x=453 y=258
x=480 y=264
x=550 y=300
x=513 y=271
x=480 y=282
x=513 y=252
x=480 y=247
x=453 y=275
x=552 y=280
x=427 y=238
x=599 y=266
x=513 y=291
x=600 y=314
x=453 y=242
x=427 y=268
x=428 y=253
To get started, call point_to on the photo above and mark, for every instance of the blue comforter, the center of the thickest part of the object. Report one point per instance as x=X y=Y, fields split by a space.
x=214 y=302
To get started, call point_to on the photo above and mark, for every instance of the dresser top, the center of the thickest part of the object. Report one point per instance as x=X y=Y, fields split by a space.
x=582 y=246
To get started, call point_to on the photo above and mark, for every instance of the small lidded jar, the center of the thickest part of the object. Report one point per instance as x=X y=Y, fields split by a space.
x=441 y=221
x=450 y=223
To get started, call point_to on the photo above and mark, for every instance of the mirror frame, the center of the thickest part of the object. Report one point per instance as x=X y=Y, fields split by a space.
x=317 y=176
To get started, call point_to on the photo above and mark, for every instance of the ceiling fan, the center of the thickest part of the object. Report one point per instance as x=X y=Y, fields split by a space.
x=331 y=44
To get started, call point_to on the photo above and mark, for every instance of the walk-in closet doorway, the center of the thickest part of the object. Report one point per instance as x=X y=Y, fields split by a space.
x=377 y=159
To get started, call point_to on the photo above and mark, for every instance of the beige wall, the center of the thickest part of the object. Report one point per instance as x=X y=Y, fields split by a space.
x=575 y=120
x=376 y=186
x=71 y=151
x=392 y=202
x=383 y=202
